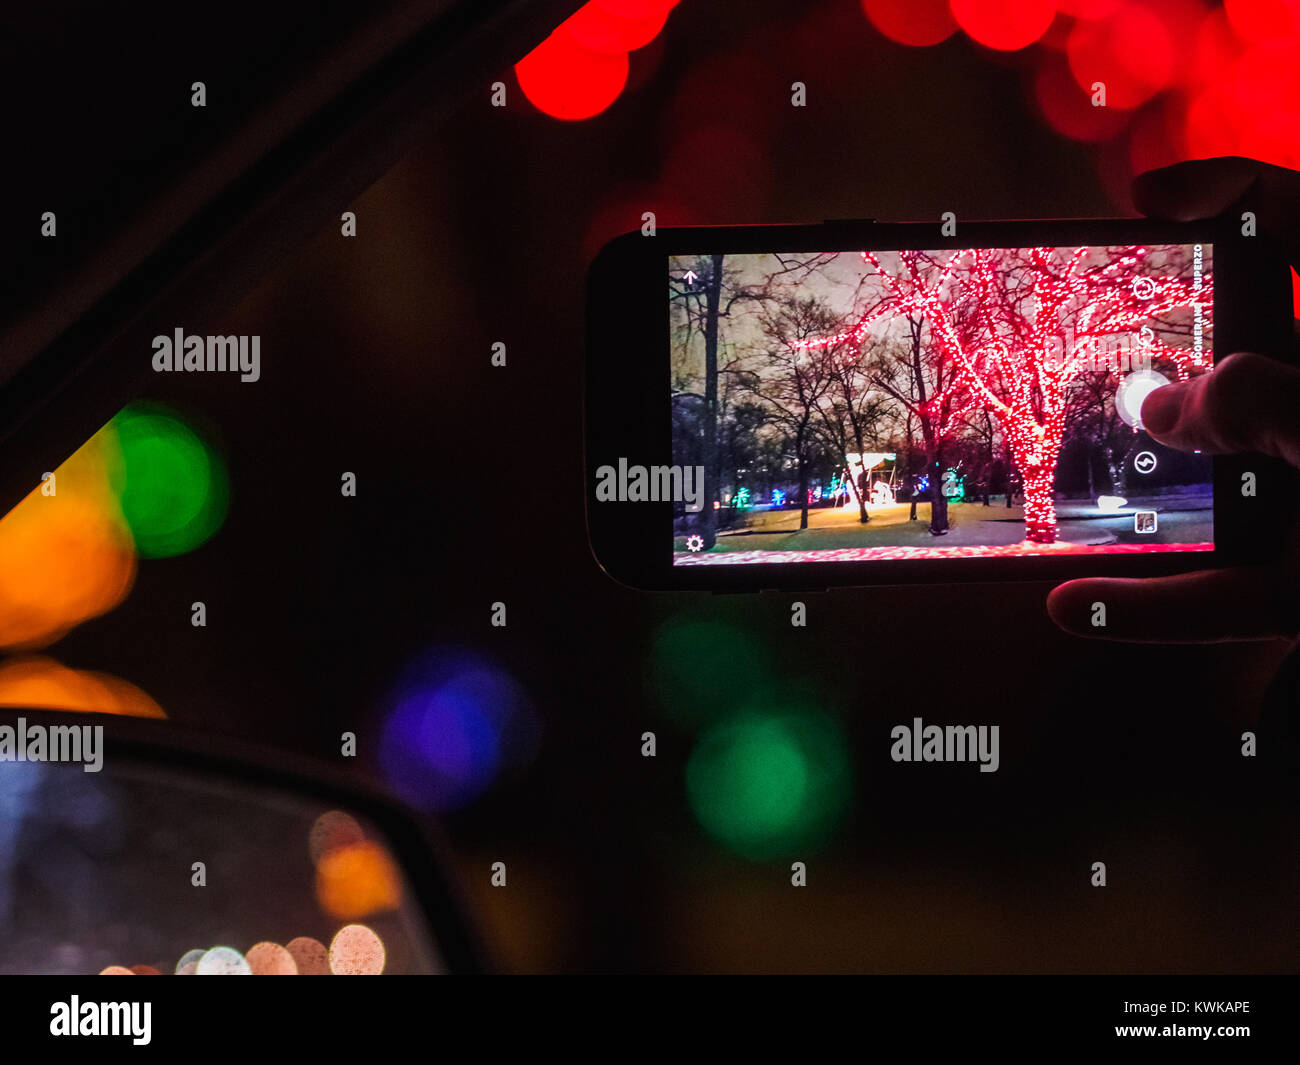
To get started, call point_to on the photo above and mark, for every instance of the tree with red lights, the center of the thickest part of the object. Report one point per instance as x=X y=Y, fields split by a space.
x=916 y=377
x=1016 y=327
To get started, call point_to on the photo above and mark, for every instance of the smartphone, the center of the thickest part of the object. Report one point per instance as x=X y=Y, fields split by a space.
x=856 y=403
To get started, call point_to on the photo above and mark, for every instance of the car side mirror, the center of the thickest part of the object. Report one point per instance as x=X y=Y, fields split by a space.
x=132 y=846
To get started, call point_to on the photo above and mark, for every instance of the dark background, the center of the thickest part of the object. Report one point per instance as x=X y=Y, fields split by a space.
x=375 y=359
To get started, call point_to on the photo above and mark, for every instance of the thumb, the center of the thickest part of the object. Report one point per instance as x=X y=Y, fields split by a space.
x=1246 y=404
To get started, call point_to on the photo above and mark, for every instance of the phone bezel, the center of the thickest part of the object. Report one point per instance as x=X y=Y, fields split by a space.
x=627 y=315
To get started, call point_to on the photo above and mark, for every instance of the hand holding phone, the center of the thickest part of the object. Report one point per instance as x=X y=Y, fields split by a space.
x=1249 y=404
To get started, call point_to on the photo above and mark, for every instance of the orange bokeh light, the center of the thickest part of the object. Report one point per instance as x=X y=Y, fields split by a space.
x=356 y=950
x=43 y=684
x=310 y=956
x=357 y=880
x=66 y=554
x=331 y=831
x=271 y=959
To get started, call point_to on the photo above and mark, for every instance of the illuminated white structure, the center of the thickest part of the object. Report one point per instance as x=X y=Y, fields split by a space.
x=882 y=494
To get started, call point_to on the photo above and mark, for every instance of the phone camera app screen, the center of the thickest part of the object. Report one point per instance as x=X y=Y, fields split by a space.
x=979 y=402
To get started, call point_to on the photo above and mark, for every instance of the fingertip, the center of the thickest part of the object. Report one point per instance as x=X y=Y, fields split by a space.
x=1067 y=605
x=1195 y=188
x=1161 y=409
x=1149 y=192
x=1082 y=607
x=1203 y=606
x=1054 y=608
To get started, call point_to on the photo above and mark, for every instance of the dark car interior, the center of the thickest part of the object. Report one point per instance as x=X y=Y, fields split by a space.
x=339 y=616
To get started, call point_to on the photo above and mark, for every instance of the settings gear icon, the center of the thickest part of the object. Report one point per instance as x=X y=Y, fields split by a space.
x=694 y=543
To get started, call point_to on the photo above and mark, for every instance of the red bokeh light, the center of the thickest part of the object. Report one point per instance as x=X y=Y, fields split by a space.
x=1263 y=20
x=1057 y=34
x=727 y=193
x=568 y=81
x=721 y=86
x=1129 y=52
x=1295 y=292
x=1002 y=25
x=623 y=211
x=1211 y=125
x=1214 y=49
x=1265 y=85
x=1087 y=8
x=1183 y=21
x=603 y=31
x=1068 y=109
x=635 y=8
x=1154 y=139
x=1251 y=108
x=1111 y=164
x=919 y=23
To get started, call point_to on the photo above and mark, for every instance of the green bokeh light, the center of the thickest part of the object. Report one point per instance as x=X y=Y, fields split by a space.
x=771 y=784
x=171 y=486
x=703 y=669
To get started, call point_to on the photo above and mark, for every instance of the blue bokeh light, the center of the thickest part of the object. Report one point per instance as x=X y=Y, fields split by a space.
x=455 y=721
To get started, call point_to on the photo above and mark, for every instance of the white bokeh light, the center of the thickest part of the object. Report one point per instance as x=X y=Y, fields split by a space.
x=1132 y=391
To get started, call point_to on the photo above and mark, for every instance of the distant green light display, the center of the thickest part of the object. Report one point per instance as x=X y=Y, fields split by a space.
x=770 y=785
x=172 y=487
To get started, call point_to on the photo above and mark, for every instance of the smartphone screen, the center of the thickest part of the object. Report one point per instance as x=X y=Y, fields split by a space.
x=958 y=403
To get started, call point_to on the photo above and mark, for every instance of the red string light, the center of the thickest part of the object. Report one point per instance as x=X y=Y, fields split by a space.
x=1019 y=357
